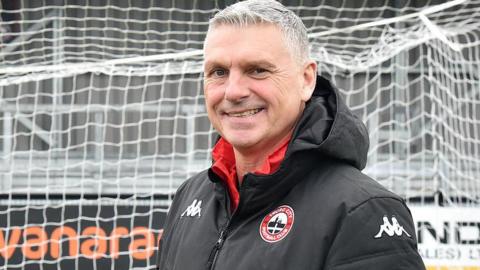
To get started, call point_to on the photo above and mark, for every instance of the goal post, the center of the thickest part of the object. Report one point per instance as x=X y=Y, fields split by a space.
x=102 y=114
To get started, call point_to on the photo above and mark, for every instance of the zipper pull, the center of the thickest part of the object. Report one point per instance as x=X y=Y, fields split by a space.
x=223 y=235
x=216 y=248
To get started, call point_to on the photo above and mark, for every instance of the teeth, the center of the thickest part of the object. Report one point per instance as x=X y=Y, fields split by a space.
x=245 y=113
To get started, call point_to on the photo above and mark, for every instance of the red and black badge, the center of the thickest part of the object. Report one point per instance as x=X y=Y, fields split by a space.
x=277 y=224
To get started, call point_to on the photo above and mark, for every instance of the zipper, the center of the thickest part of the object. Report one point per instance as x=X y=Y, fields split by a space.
x=212 y=258
x=216 y=248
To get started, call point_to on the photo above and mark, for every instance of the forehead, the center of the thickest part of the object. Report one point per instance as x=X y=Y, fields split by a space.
x=244 y=42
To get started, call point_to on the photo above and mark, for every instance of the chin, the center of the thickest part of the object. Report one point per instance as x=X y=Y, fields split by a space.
x=241 y=142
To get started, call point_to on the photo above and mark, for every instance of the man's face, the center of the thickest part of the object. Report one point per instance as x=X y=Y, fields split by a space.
x=254 y=88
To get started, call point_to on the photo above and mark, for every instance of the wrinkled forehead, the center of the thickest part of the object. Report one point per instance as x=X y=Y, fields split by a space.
x=263 y=35
x=259 y=39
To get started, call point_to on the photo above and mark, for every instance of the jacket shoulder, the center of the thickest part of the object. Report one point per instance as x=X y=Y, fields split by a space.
x=190 y=188
x=194 y=183
x=374 y=227
x=353 y=188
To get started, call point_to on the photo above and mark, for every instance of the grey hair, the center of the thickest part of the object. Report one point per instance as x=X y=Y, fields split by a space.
x=253 y=12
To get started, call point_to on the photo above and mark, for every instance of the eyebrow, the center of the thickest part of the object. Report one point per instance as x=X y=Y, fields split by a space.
x=247 y=65
x=258 y=63
x=211 y=64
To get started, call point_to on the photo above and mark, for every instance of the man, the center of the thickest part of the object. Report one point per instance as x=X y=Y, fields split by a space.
x=285 y=189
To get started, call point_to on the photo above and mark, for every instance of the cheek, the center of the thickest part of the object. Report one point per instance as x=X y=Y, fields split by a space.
x=286 y=99
x=286 y=87
x=269 y=90
x=212 y=116
x=213 y=95
x=282 y=95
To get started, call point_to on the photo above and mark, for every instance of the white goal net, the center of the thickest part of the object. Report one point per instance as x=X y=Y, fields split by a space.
x=102 y=113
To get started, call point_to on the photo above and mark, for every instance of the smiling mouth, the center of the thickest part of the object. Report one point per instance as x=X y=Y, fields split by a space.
x=245 y=113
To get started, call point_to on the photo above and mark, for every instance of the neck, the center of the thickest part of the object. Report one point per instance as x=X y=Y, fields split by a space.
x=245 y=164
x=251 y=161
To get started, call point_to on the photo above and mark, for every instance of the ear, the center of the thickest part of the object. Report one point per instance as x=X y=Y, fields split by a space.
x=309 y=79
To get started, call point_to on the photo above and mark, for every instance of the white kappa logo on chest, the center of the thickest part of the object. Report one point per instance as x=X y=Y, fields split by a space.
x=193 y=210
x=277 y=224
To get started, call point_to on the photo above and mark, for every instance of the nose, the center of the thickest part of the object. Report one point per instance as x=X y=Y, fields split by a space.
x=236 y=88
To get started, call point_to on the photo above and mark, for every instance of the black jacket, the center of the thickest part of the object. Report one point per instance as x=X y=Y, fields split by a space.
x=317 y=211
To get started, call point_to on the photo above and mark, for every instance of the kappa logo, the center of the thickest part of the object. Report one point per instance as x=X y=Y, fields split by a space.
x=391 y=229
x=193 y=210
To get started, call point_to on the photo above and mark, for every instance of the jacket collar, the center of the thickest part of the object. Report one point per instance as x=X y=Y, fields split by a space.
x=224 y=167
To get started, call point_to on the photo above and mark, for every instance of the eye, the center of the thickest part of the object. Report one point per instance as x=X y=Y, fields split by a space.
x=259 y=73
x=218 y=72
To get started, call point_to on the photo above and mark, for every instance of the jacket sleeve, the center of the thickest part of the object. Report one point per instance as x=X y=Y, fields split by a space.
x=169 y=225
x=377 y=234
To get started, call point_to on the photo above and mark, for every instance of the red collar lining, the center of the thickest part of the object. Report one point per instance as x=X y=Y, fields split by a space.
x=224 y=166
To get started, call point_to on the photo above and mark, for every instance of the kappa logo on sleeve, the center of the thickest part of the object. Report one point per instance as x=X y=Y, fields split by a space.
x=391 y=229
x=193 y=210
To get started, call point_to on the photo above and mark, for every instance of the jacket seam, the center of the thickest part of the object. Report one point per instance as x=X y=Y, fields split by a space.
x=371 y=199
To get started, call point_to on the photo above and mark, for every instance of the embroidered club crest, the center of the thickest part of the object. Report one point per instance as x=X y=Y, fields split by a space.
x=277 y=224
